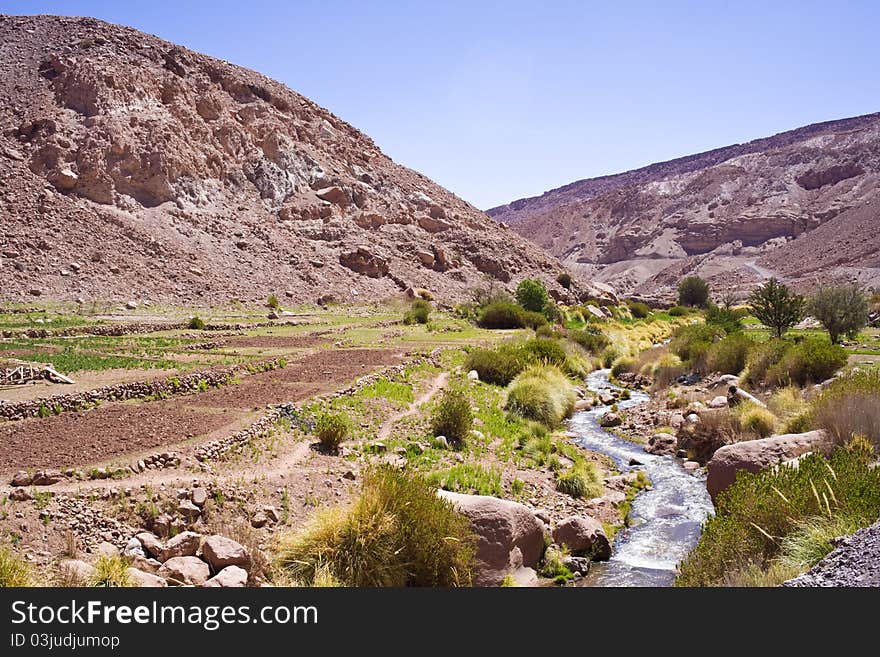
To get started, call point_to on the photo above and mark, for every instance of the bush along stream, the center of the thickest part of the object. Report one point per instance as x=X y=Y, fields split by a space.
x=667 y=517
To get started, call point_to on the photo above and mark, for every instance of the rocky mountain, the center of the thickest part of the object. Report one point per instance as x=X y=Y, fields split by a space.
x=803 y=205
x=134 y=168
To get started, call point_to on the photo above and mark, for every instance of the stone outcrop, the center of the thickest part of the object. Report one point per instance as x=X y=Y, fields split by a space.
x=755 y=455
x=510 y=536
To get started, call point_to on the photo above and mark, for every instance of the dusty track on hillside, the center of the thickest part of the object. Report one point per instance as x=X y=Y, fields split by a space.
x=114 y=429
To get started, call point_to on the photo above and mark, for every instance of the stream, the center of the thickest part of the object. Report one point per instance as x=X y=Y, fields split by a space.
x=666 y=518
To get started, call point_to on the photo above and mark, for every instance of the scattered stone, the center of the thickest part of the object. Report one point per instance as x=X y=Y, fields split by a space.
x=583 y=405
x=577 y=565
x=134 y=548
x=185 y=544
x=107 y=549
x=185 y=570
x=199 y=496
x=189 y=511
x=77 y=572
x=635 y=461
x=229 y=577
x=161 y=525
x=20 y=495
x=610 y=420
x=144 y=579
x=690 y=466
x=259 y=519
x=473 y=375
x=718 y=402
x=220 y=552
x=661 y=444
x=131 y=305
x=22 y=478
x=350 y=475
x=47 y=477
x=152 y=545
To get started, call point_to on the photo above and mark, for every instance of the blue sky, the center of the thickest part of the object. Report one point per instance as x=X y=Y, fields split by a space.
x=499 y=100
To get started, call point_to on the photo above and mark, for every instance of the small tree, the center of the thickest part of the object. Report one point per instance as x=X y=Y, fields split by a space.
x=776 y=306
x=531 y=295
x=841 y=309
x=693 y=291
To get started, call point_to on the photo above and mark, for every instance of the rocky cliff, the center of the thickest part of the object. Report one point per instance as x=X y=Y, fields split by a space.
x=735 y=214
x=134 y=168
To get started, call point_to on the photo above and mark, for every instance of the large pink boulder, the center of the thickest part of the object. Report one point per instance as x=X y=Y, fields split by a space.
x=510 y=536
x=583 y=535
x=755 y=455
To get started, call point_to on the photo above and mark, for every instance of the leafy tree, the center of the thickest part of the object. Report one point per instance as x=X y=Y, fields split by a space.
x=532 y=295
x=776 y=306
x=693 y=291
x=841 y=309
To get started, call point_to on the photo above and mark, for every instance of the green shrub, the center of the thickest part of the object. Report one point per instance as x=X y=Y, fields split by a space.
x=729 y=355
x=546 y=331
x=544 y=350
x=196 y=323
x=496 y=366
x=502 y=315
x=638 y=309
x=581 y=480
x=272 y=302
x=678 y=311
x=693 y=291
x=543 y=394
x=591 y=339
x=776 y=306
x=692 y=342
x=452 y=416
x=418 y=313
x=564 y=279
x=754 y=515
x=728 y=319
x=763 y=358
x=850 y=407
x=332 y=429
x=14 y=571
x=469 y=478
x=532 y=320
x=532 y=295
x=398 y=532
x=810 y=361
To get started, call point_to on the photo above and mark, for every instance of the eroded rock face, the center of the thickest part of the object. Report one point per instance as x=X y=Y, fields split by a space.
x=712 y=213
x=755 y=455
x=164 y=160
x=510 y=536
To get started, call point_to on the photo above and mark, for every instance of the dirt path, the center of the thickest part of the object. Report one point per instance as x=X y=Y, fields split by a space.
x=436 y=386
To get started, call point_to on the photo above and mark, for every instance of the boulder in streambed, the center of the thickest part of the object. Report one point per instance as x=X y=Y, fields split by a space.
x=510 y=536
x=755 y=455
x=583 y=536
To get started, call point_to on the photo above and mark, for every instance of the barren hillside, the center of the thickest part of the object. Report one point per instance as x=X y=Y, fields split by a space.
x=734 y=214
x=134 y=168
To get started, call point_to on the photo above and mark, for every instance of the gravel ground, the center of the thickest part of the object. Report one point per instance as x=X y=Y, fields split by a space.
x=855 y=562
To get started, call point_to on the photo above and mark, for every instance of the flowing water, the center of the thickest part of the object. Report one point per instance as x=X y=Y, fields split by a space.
x=667 y=518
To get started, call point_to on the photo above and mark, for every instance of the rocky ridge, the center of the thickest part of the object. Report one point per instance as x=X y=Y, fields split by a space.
x=735 y=214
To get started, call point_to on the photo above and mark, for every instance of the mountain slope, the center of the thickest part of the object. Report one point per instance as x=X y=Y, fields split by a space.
x=734 y=213
x=134 y=168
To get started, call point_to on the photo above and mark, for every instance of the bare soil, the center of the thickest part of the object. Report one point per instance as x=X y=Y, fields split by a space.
x=113 y=429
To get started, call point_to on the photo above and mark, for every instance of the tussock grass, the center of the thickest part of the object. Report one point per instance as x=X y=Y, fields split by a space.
x=543 y=394
x=468 y=478
x=111 y=571
x=332 y=429
x=753 y=419
x=851 y=406
x=398 y=532
x=452 y=416
x=14 y=571
x=581 y=480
